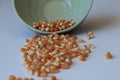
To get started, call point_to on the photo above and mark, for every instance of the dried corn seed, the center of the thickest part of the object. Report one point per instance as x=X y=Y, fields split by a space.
x=18 y=78
x=91 y=46
x=37 y=73
x=108 y=55
x=54 y=70
x=43 y=74
x=86 y=47
x=12 y=77
x=25 y=79
x=81 y=41
x=22 y=50
x=65 y=66
x=90 y=35
x=83 y=57
x=87 y=51
x=31 y=78
x=53 y=78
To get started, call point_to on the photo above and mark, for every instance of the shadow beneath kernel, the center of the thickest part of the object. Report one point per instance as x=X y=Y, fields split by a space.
x=95 y=23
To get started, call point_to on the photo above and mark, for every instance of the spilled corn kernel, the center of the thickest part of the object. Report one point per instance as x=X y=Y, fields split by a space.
x=49 y=53
x=53 y=78
x=108 y=55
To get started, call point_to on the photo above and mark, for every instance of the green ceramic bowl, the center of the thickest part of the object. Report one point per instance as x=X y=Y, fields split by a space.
x=35 y=10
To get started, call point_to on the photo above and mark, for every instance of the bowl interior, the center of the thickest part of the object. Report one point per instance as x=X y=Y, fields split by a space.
x=35 y=10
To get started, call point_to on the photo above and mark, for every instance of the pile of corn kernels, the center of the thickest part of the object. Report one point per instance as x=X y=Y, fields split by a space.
x=51 y=26
x=49 y=53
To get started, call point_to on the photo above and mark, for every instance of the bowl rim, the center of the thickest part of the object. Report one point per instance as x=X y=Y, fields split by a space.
x=58 y=32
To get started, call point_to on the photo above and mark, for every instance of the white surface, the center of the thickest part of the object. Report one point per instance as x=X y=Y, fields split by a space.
x=103 y=20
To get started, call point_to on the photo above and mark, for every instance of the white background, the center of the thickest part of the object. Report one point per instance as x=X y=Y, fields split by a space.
x=103 y=20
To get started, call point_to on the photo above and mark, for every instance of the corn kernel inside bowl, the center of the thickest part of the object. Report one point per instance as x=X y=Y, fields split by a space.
x=52 y=26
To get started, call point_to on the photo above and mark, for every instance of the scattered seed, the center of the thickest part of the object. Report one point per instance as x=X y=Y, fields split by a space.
x=81 y=41
x=43 y=74
x=53 y=78
x=18 y=78
x=90 y=35
x=108 y=55
x=54 y=70
x=25 y=79
x=83 y=57
x=91 y=46
x=12 y=77
x=47 y=54
x=31 y=78
x=53 y=52
x=65 y=66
